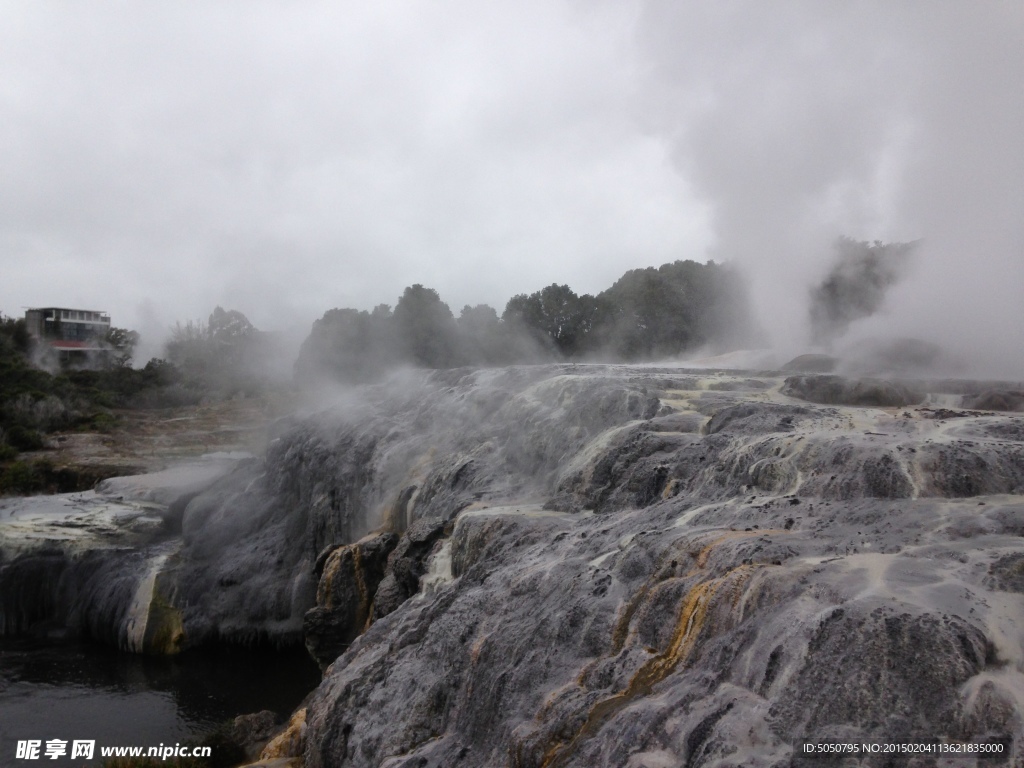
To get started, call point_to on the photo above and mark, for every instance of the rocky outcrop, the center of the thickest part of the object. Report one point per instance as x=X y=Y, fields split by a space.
x=614 y=566
x=837 y=390
x=421 y=447
x=709 y=587
x=250 y=733
x=289 y=744
x=349 y=578
x=812 y=363
x=996 y=400
x=100 y=564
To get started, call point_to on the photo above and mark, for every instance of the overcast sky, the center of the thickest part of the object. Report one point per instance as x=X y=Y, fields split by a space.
x=283 y=158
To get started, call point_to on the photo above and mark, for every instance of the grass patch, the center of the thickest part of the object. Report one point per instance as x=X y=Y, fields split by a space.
x=101 y=421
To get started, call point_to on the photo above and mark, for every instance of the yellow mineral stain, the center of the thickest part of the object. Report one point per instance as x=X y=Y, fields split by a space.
x=290 y=742
x=621 y=630
x=165 y=631
x=684 y=639
x=333 y=573
x=324 y=590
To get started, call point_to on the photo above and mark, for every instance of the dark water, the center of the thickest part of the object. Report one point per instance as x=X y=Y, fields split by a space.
x=80 y=691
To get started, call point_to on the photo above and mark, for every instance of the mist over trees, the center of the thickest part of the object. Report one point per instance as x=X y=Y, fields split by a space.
x=226 y=354
x=856 y=285
x=556 y=319
x=647 y=314
x=677 y=308
x=35 y=401
x=122 y=343
x=206 y=361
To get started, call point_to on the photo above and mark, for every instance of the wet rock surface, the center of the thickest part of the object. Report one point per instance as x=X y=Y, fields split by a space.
x=708 y=586
x=838 y=390
x=252 y=732
x=812 y=363
x=100 y=564
x=418 y=448
x=406 y=565
x=616 y=566
x=349 y=578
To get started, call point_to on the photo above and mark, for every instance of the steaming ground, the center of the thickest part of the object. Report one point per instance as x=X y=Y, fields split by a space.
x=588 y=565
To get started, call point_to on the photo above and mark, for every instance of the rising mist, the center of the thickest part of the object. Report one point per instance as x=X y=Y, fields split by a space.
x=799 y=122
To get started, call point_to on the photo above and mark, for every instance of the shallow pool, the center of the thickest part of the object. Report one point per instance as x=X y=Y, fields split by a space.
x=81 y=691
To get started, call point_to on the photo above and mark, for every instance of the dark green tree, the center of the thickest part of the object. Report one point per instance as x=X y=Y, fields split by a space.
x=14 y=330
x=555 y=315
x=226 y=353
x=676 y=308
x=349 y=345
x=122 y=344
x=481 y=340
x=425 y=329
x=229 y=327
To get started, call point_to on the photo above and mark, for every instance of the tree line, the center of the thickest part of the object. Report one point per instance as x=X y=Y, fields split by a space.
x=647 y=314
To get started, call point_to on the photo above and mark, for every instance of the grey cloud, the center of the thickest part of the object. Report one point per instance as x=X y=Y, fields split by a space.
x=283 y=159
x=287 y=158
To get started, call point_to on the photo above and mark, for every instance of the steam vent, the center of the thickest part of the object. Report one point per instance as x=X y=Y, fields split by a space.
x=584 y=566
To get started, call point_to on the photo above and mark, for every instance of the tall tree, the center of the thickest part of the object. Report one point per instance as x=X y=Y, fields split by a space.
x=480 y=336
x=349 y=345
x=225 y=352
x=556 y=315
x=425 y=329
x=122 y=344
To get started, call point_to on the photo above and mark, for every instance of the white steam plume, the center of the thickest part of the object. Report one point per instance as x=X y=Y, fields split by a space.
x=801 y=121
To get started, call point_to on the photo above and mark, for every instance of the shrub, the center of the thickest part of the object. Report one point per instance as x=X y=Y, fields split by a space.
x=21 y=477
x=23 y=438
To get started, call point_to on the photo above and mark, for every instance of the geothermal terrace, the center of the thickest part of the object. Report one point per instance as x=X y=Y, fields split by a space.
x=581 y=566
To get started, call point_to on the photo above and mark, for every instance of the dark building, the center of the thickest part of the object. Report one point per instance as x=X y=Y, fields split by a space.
x=75 y=336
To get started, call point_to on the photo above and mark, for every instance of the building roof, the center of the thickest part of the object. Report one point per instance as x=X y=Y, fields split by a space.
x=68 y=309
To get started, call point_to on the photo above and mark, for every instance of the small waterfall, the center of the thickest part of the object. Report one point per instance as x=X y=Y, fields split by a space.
x=138 y=619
